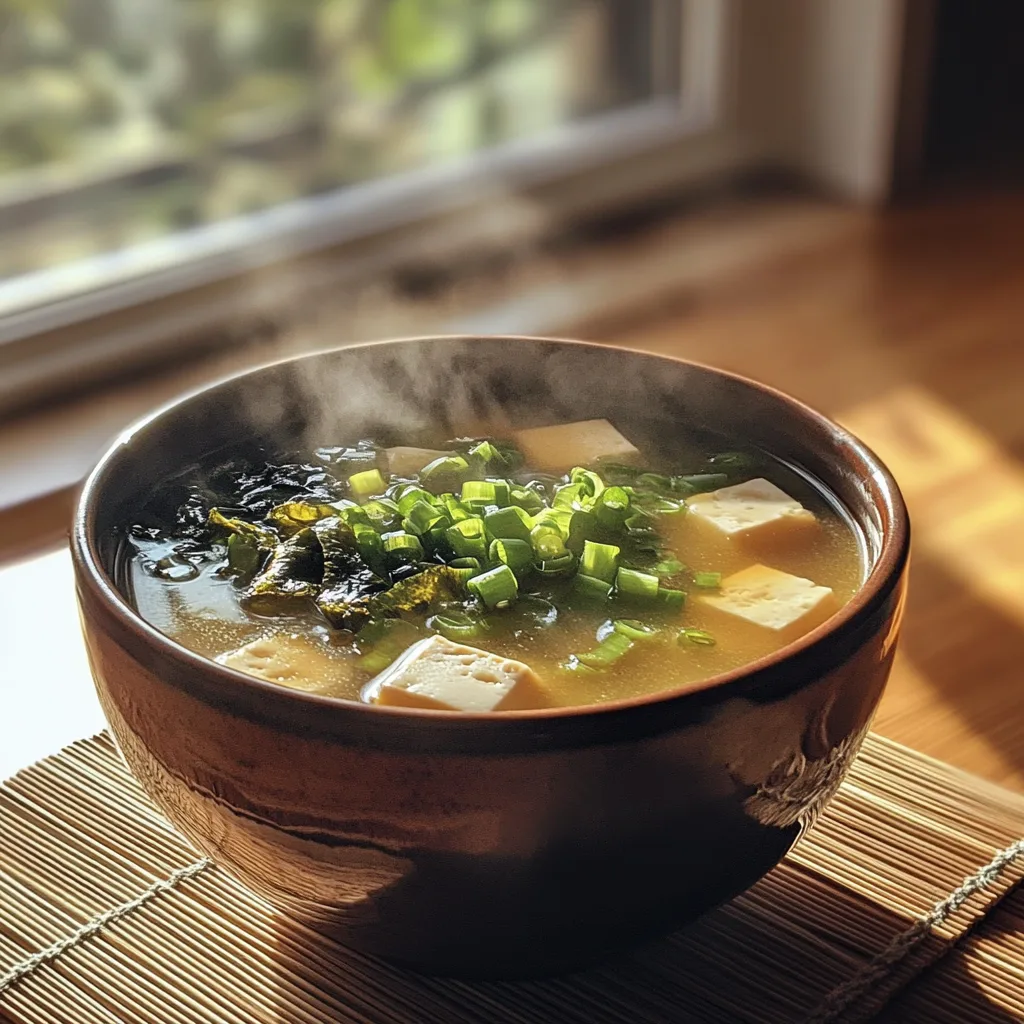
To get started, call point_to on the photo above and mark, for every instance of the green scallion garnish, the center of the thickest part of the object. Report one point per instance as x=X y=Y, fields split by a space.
x=466 y=563
x=591 y=483
x=590 y=588
x=510 y=523
x=468 y=538
x=366 y=484
x=634 y=629
x=457 y=626
x=634 y=585
x=700 y=637
x=671 y=599
x=445 y=473
x=492 y=459
x=402 y=547
x=410 y=495
x=516 y=554
x=495 y=588
x=599 y=560
x=423 y=517
x=707 y=580
x=607 y=651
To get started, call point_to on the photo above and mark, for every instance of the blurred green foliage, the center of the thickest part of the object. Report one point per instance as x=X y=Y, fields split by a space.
x=252 y=102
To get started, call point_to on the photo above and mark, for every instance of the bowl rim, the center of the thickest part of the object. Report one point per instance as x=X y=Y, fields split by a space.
x=874 y=590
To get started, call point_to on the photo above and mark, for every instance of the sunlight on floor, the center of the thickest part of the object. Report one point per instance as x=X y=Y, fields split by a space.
x=965 y=494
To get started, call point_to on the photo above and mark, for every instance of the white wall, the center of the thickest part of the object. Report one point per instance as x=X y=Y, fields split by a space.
x=818 y=88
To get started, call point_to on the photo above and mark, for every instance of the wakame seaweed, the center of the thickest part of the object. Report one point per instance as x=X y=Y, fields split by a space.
x=348 y=584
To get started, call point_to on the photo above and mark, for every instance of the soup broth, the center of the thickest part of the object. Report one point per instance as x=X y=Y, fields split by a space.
x=610 y=572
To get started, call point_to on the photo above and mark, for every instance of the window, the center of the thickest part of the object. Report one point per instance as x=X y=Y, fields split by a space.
x=150 y=146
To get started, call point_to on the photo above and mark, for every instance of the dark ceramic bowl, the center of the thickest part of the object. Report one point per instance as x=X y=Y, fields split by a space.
x=505 y=845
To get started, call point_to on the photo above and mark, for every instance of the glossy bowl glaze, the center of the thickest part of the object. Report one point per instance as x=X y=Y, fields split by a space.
x=506 y=845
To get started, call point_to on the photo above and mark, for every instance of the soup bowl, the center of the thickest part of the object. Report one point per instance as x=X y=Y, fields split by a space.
x=502 y=845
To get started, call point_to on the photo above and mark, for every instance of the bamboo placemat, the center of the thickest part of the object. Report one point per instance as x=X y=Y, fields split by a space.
x=108 y=916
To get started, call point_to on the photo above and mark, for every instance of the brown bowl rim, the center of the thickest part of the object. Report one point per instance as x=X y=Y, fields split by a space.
x=873 y=591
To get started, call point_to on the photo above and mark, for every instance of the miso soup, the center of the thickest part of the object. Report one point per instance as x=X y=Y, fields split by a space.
x=559 y=566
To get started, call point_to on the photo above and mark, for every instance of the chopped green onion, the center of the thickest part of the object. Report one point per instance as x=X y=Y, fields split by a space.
x=562 y=565
x=571 y=496
x=383 y=514
x=583 y=526
x=607 y=651
x=526 y=499
x=468 y=538
x=638 y=586
x=466 y=563
x=547 y=543
x=669 y=566
x=464 y=575
x=510 y=523
x=437 y=538
x=700 y=637
x=368 y=543
x=478 y=493
x=423 y=517
x=457 y=626
x=590 y=588
x=613 y=508
x=591 y=483
x=502 y=492
x=599 y=561
x=619 y=469
x=444 y=473
x=402 y=547
x=516 y=554
x=634 y=629
x=671 y=599
x=489 y=455
x=454 y=508
x=658 y=503
x=496 y=587
x=410 y=495
x=369 y=482
x=708 y=580
x=559 y=519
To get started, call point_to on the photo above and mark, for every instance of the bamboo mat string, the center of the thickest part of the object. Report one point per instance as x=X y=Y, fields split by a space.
x=845 y=995
x=100 y=921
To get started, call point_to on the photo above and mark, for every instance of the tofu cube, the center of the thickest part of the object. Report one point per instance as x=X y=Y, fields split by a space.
x=556 y=449
x=445 y=676
x=774 y=602
x=754 y=511
x=404 y=461
x=289 y=660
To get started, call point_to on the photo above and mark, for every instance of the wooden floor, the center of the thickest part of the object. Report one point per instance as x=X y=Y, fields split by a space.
x=908 y=327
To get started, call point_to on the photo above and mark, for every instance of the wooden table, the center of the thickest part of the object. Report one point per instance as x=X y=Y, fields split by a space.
x=905 y=326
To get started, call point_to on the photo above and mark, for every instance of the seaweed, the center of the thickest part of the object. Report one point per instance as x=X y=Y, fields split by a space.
x=433 y=586
x=292 y=516
x=348 y=583
x=259 y=536
x=290 y=581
